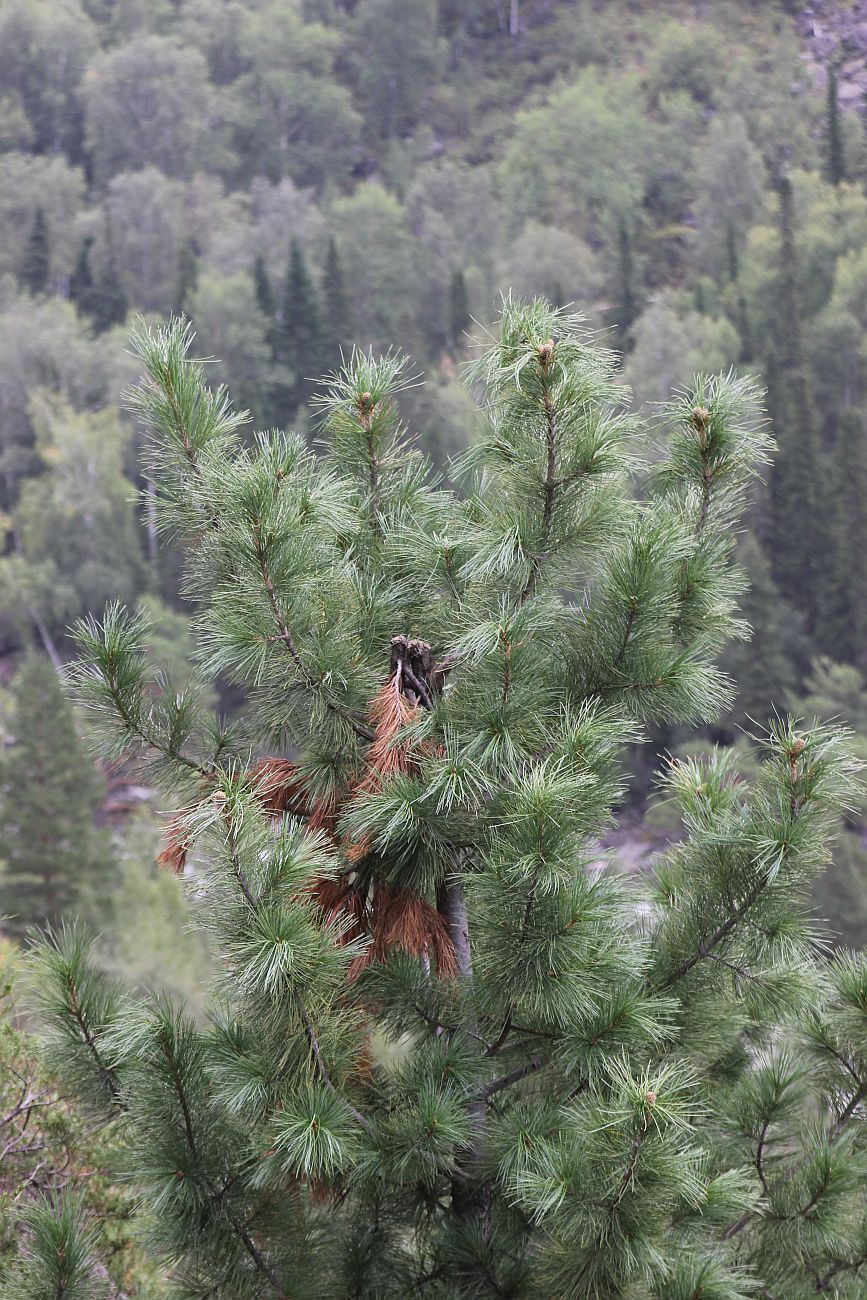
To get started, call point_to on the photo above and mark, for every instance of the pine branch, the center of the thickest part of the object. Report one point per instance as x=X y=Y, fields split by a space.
x=849 y=1109
x=545 y=353
x=148 y=736
x=108 y=1076
x=216 y=1194
x=523 y=1071
x=706 y=947
x=285 y=636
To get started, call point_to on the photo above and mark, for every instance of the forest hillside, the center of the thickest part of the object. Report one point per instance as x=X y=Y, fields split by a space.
x=297 y=178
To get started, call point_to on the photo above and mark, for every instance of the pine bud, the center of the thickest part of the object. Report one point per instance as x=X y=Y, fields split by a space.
x=365 y=403
x=545 y=352
x=700 y=415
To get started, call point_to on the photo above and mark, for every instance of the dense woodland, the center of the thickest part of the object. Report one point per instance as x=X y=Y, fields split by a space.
x=297 y=178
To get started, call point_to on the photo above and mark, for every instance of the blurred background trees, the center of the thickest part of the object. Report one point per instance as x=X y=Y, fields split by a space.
x=300 y=177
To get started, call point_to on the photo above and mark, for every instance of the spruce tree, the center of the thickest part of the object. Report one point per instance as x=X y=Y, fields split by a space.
x=845 y=631
x=298 y=335
x=188 y=276
x=110 y=305
x=627 y=302
x=36 y=262
x=451 y=1053
x=459 y=311
x=797 y=487
x=765 y=667
x=336 y=311
x=836 y=161
x=264 y=293
x=81 y=286
x=51 y=853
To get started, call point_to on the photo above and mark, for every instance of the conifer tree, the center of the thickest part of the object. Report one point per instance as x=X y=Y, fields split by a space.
x=337 y=313
x=264 y=293
x=188 y=275
x=299 y=335
x=459 y=311
x=110 y=305
x=451 y=1055
x=81 y=287
x=836 y=161
x=627 y=302
x=797 y=487
x=36 y=262
x=51 y=853
x=764 y=667
x=845 y=631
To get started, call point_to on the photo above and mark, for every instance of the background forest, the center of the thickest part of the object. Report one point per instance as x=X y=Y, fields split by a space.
x=297 y=177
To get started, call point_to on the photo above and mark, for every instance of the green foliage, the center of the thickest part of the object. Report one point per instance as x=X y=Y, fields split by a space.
x=582 y=1088
x=336 y=308
x=36 y=260
x=188 y=277
x=52 y=853
x=836 y=163
x=399 y=56
x=395 y=144
x=298 y=337
x=580 y=160
x=148 y=103
x=459 y=315
x=61 y=1214
x=291 y=116
x=83 y=500
x=61 y=1261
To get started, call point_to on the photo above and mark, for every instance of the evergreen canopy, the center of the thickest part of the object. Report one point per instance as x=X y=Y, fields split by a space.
x=452 y=1052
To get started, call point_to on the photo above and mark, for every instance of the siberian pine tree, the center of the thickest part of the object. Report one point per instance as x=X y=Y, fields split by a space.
x=52 y=855
x=452 y=1052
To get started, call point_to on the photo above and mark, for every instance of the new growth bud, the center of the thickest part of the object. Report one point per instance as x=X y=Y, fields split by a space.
x=545 y=352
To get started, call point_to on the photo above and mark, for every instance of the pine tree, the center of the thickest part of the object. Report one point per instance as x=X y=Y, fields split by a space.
x=337 y=313
x=298 y=336
x=450 y=1054
x=36 y=262
x=836 y=161
x=48 y=797
x=459 y=311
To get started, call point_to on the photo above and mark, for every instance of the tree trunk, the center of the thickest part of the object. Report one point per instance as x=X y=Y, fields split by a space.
x=471 y=1199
